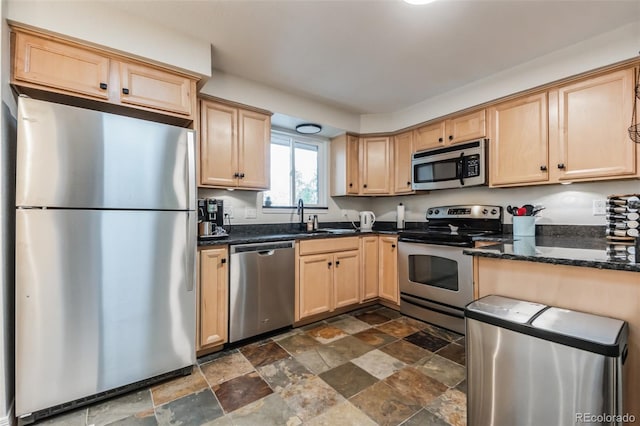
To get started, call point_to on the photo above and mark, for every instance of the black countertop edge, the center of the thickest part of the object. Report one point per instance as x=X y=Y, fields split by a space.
x=240 y=238
x=572 y=251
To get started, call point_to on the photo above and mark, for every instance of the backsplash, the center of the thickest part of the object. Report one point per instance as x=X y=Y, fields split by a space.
x=564 y=204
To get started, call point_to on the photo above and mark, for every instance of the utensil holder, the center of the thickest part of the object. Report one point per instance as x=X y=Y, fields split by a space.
x=524 y=226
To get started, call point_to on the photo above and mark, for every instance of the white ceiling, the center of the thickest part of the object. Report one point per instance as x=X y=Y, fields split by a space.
x=367 y=56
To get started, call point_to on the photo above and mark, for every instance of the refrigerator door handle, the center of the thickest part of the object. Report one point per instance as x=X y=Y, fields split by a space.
x=191 y=170
x=190 y=256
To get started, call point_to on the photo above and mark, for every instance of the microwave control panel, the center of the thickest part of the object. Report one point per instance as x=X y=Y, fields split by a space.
x=471 y=166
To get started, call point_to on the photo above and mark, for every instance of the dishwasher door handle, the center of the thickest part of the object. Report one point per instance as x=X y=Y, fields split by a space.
x=266 y=253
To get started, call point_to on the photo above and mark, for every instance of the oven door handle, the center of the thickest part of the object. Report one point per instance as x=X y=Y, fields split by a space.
x=449 y=243
x=461 y=168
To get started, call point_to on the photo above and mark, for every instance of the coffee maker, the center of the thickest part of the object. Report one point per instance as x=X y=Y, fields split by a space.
x=210 y=218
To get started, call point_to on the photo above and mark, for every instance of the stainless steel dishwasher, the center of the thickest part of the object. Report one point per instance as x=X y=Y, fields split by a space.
x=261 y=288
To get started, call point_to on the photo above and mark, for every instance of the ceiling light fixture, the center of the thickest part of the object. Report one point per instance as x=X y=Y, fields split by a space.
x=308 y=128
x=419 y=2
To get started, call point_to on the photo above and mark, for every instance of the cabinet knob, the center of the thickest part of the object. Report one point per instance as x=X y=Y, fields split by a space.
x=450 y=137
x=337 y=263
x=393 y=246
x=103 y=86
x=365 y=185
x=223 y=260
x=236 y=175
x=561 y=166
x=408 y=183
x=125 y=91
x=351 y=185
x=329 y=264
x=439 y=139
x=241 y=175
x=543 y=168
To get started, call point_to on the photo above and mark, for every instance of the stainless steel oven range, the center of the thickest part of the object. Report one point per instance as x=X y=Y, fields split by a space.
x=436 y=278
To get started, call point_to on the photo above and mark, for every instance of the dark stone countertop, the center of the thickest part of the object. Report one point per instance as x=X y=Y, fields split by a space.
x=591 y=252
x=246 y=234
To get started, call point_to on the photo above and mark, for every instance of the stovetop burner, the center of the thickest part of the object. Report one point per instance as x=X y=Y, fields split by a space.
x=456 y=225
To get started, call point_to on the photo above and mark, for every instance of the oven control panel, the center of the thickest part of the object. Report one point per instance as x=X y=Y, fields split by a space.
x=465 y=212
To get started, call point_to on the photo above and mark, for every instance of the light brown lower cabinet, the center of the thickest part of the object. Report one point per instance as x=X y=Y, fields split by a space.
x=328 y=281
x=369 y=267
x=328 y=275
x=599 y=291
x=335 y=273
x=388 y=269
x=213 y=293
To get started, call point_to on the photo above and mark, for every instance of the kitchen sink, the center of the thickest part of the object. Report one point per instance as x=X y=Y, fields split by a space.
x=334 y=231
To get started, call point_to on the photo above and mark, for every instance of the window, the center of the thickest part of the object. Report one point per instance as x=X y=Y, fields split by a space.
x=298 y=171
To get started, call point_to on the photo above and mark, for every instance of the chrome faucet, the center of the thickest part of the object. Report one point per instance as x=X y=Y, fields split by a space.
x=300 y=211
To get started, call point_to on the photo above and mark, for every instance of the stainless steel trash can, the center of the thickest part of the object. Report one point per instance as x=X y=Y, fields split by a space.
x=532 y=364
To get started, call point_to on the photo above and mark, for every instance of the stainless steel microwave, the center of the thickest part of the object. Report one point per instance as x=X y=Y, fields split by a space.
x=455 y=166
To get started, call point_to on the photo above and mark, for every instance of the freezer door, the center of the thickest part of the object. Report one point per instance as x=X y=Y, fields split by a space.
x=103 y=299
x=78 y=158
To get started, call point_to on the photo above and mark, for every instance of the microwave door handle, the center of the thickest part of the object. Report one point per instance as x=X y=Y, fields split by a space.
x=460 y=168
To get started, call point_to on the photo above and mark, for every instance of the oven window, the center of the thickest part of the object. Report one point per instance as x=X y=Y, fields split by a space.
x=433 y=271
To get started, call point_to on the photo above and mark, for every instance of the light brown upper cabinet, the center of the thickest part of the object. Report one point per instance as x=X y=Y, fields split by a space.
x=154 y=88
x=588 y=128
x=55 y=65
x=375 y=171
x=575 y=132
x=402 y=150
x=458 y=129
x=344 y=165
x=234 y=146
x=518 y=141
x=362 y=166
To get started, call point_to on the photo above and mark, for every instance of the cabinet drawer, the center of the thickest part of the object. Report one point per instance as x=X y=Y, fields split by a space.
x=328 y=245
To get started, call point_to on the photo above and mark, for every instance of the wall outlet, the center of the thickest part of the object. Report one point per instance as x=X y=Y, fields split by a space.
x=250 y=213
x=599 y=207
x=228 y=211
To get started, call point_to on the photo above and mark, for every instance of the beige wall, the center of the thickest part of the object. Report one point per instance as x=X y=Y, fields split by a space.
x=602 y=50
x=565 y=204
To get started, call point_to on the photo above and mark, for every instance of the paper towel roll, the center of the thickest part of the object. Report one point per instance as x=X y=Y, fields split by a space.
x=400 y=216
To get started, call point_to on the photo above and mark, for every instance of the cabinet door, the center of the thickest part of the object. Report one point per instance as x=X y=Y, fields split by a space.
x=254 y=151
x=213 y=297
x=150 y=87
x=388 y=270
x=369 y=270
x=402 y=148
x=431 y=136
x=466 y=127
x=376 y=161
x=353 y=169
x=592 y=121
x=519 y=141
x=346 y=278
x=60 y=66
x=218 y=145
x=316 y=281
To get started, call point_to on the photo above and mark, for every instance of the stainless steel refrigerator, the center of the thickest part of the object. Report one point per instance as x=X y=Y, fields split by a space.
x=105 y=254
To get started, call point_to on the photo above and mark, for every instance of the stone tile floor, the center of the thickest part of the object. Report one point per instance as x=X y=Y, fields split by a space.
x=370 y=366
